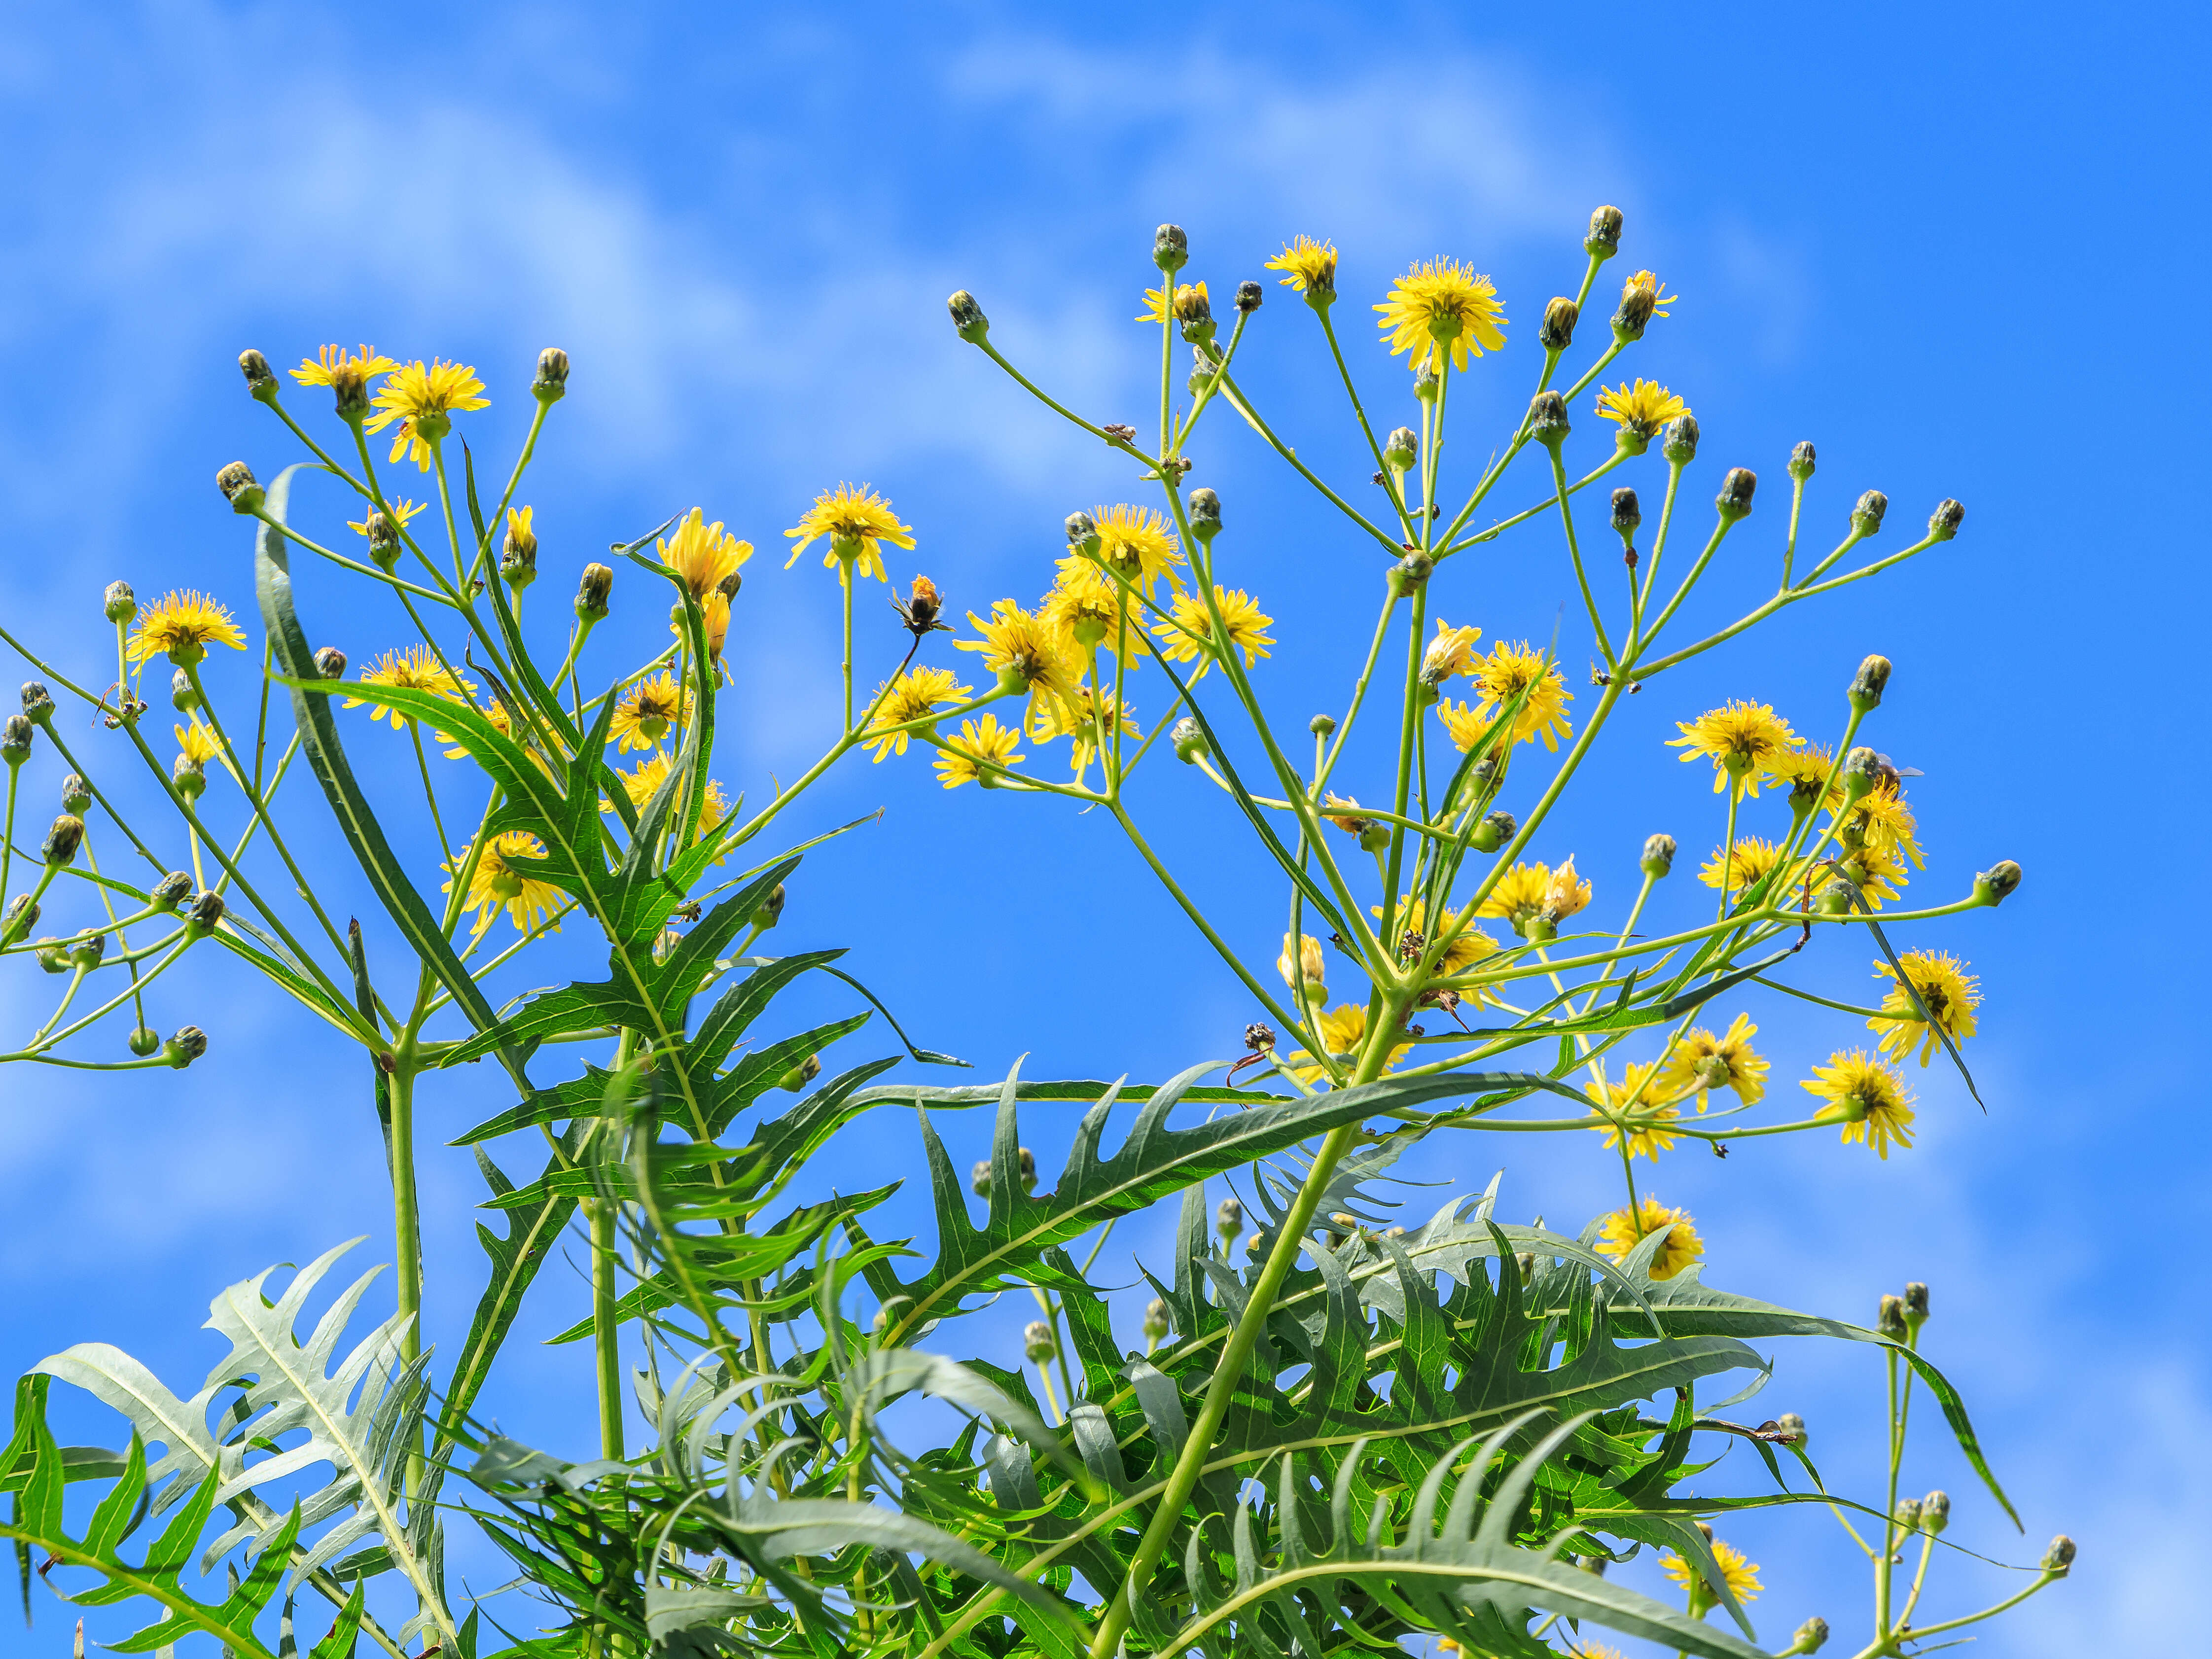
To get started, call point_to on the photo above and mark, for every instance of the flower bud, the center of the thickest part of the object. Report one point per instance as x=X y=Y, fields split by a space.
x=979 y=1178
x=1204 y=515
x=1633 y=315
x=1604 y=239
x=770 y=909
x=1259 y=1038
x=260 y=379
x=1025 y=1168
x=144 y=1041
x=1733 y=502
x=187 y=1045
x=206 y=914
x=383 y=539
x=119 y=603
x=1547 y=419
x=1195 y=312
x=1658 y=856
x=1801 y=462
x=1410 y=572
x=76 y=795
x=1995 y=885
x=189 y=774
x=801 y=1074
x=171 y=890
x=1627 y=511
x=1908 y=1514
x=518 y=553
x=1792 y=1425
x=1866 y=515
x=2059 y=1557
x=86 y=952
x=1037 y=1345
x=1229 y=1219
x=1943 y=523
x=1916 y=1301
x=183 y=693
x=591 y=593
x=38 y=702
x=1401 y=448
x=1494 y=832
x=1812 y=1636
x=1375 y=837
x=1170 y=248
x=1249 y=296
x=968 y=321
x=1862 y=771
x=1677 y=439
x=237 y=483
x=1557 y=332
x=1156 y=1320
x=16 y=740
x=551 y=384
x=1935 y=1513
x=1321 y=726
x=1426 y=384
x=1835 y=900
x=22 y=916
x=1189 y=741
x=1890 y=1322
x=52 y=957
x=61 y=841
x=1867 y=685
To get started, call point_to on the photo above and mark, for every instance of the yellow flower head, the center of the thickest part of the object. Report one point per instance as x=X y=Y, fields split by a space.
x=1567 y=893
x=422 y=396
x=501 y=882
x=196 y=742
x=705 y=555
x=1621 y=1232
x=1528 y=891
x=642 y=782
x=1072 y=717
x=1343 y=812
x=397 y=514
x=1343 y=1029
x=1019 y=646
x=1883 y=869
x=1155 y=301
x=180 y=626
x=1947 y=991
x=337 y=367
x=1750 y=860
x=1464 y=724
x=1452 y=652
x=1867 y=1097
x=1470 y=946
x=1740 y=739
x=1644 y=287
x=646 y=711
x=416 y=668
x=1084 y=611
x=1700 y=1063
x=914 y=695
x=1442 y=304
x=1308 y=962
x=1506 y=672
x=1310 y=266
x=854 y=520
x=1136 y=544
x=1641 y=409
x=1641 y=1109
x=715 y=620
x=1738 y=1569
x=1191 y=631
x=1882 y=820
x=982 y=743
x=1805 y=771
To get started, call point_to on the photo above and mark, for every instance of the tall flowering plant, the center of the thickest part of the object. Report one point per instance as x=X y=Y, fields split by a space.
x=1334 y=1433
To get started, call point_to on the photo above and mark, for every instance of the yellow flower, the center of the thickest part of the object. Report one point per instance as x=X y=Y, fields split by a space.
x=1343 y=1029
x=1155 y=301
x=498 y=883
x=1643 y=1108
x=642 y=782
x=496 y=711
x=704 y=555
x=1308 y=962
x=1084 y=611
x=180 y=626
x=1645 y=282
x=1699 y=1062
x=337 y=367
x=1191 y=629
x=1528 y=891
x=1566 y=892
x=1884 y=870
x=854 y=520
x=981 y=742
x=1346 y=815
x=1949 y=992
x=1452 y=652
x=714 y=619
x=1748 y=858
x=399 y=514
x=1867 y=1097
x=1740 y=739
x=1620 y=1232
x=1805 y=771
x=422 y=396
x=1882 y=820
x=1311 y=265
x=1018 y=646
x=1470 y=946
x=198 y=743
x=1738 y=1569
x=1507 y=672
x=1443 y=303
x=1642 y=409
x=1071 y=717
x=1136 y=544
x=914 y=695
x=1465 y=726
x=648 y=710
x=415 y=669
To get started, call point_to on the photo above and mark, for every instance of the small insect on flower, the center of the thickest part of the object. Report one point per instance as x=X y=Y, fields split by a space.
x=180 y=625
x=1621 y=1232
x=1699 y=1062
x=916 y=694
x=1308 y=267
x=502 y=880
x=1189 y=630
x=646 y=711
x=1867 y=1097
x=1740 y=739
x=855 y=520
x=1640 y=409
x=422 y=396
x=415 y=669
x=1443 y=309
x=918 y=612
x=982 y=744
x=1949 y=993
x=703 y=556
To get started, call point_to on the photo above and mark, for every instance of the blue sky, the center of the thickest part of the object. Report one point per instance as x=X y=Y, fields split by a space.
x=1957 y=248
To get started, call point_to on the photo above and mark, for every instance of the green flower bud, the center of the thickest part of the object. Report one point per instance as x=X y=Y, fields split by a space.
x=330 y=662
x=172 y=891
x=1658 y=856
x=1170 y=248
x=1321 y=726
x=1401 y=448
x=260 y=379
x=119 y=603
x=1195 y=312
x=1604 y=239
x=1801 y=462
x=979 y=1178
x=38 y=703
x=770 y=911
x=384 y=545
x=968 y=321
x=1627 y=512
x=1733 y=502
x=1189 y=741
x=1083 y=535
x=1935 y=1513
x=1037 y=1345
x=1908 y=1514
x=1375 y=837
x=1494 y=832
x=76 y=795
x=1866 y=515
x=1249 y=296
x=801 y=1074
x=551 y=384
x=1410 y=572
x=1229 y=1219
x=1867 y=685
x=1943 y=523
x=1835 y=900
x=187 y=1045
x=1547 y=419
x=61 y=841
x=1794 y=1427
x=16 y=740
x=183 y=693
x=206 y=914
x=237 y=483
x=1995 y=885
x=1916 y=1301
x=52 y=956
x=2059 y=1557
x=1156 y=1320
x=1205 y=516
x=1557 y=332
x=189 y=776
x=1862 y=771
x=86 y=952
x=22 y=916
x=1890 y=1322
x=518 y=556
x=1677 y=439
x=597 y=581
x=144 y=1041
x=1426 y=384
x=1025 y=1168
x=1812 y=1636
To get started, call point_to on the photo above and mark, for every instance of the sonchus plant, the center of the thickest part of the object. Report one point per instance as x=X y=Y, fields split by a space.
x=1329 y=1433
